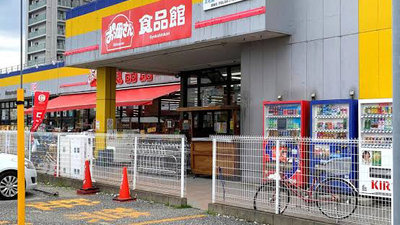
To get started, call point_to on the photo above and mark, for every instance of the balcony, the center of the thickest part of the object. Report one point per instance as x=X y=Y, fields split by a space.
x=62 y=16
x=37 y=19
x=61 y=31
x=68 y=4
x=37 y=33
x=60 y=46
x=36 y=62
x=38 y=47
x=37 y=5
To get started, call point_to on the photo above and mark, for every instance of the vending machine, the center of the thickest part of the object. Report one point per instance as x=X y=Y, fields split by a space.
x=286 y=119
x=376 y=149
x=331 y=122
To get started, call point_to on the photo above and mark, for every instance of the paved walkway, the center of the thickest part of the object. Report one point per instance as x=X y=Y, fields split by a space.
x=198 y=192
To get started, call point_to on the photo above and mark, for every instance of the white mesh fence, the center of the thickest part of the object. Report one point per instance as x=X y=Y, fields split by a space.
x=8 y=142
x=346 y=181
x=154 y=163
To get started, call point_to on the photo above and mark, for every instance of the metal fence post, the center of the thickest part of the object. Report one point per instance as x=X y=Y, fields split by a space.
x=183 y=168
x=58 y=156
x=277 y=177
x=30 y=147
x=214 y=168
x=135 y=163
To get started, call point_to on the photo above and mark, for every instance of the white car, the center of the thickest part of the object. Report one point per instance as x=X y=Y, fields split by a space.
x=8 y=176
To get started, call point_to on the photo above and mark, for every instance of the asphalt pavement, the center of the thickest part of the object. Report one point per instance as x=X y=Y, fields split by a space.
x=69 y=208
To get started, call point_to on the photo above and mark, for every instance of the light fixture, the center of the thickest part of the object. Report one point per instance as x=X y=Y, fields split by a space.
x=352 y=94
x=279 y=97
x=313 y=96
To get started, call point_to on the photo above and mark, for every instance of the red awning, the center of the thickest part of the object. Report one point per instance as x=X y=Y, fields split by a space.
x=138 y=96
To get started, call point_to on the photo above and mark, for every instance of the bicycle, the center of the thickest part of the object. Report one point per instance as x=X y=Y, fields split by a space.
x=334 y=196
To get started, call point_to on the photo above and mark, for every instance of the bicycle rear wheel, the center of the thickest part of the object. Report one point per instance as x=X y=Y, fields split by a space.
x=336 y=198
x=265 y=197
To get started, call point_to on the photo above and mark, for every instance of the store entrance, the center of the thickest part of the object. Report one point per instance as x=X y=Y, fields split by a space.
x=210 y=105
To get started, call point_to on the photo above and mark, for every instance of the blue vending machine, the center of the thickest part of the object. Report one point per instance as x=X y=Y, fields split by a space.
x=333 y=123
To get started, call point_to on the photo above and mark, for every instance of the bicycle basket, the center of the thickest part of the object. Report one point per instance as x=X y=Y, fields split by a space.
x=337 y=167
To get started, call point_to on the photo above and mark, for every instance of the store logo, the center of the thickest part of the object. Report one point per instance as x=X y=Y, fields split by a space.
x=42 y=98
x=380 y=185
x=120 y=33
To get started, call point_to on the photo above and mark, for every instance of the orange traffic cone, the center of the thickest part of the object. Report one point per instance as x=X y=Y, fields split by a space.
x=124 y=192
x=87 y=187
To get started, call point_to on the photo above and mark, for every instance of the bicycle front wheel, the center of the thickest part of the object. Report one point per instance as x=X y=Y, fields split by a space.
x=265 y=197
x=336 y=198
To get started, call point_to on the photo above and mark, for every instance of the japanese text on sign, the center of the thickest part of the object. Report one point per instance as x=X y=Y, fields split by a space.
x=212 y=4
x=151 y=24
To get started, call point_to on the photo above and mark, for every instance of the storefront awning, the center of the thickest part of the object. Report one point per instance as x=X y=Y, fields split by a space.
x=138 y=96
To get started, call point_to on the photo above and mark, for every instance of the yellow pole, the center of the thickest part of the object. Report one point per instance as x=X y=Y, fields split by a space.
x=21 y=136
x=21 y=157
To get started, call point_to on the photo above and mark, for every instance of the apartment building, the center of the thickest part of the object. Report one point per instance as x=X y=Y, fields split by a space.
x=45 y=29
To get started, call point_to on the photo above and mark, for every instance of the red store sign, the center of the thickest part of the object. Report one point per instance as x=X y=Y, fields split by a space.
x=133 y=78
x=39 y=108
x=159 y=22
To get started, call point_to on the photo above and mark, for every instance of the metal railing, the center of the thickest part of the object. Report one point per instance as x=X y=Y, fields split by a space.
x=37 y=47
x=343 y=181
x=37 y=5
x=31 y=63
x=61 y=16
x=61 y=46
x=155 y=163
x=37 y=33
x=68 y=4
x=37 y=62
x=61 y=31
x=37 y=19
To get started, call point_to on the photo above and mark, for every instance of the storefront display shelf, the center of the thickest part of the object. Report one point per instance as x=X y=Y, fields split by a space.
x=331 y=131
x=331 y=116
x=376 y=115
x=283 y=116
x=377 y=131
x=372 y=147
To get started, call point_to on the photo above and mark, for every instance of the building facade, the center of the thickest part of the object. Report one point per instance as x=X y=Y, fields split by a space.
x=329 y=49
x=45 y=29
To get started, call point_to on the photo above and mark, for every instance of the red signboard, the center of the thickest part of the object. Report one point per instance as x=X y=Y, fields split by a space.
x=39 y=108
x=159 y=22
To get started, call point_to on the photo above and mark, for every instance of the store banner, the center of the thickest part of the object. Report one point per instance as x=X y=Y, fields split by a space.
x=41 y=99
x=151 y=24
x=212 y=4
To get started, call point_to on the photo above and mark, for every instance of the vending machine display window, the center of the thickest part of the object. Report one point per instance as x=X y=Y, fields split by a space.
x=287 y=119
x=376 y=149
x=333 y=122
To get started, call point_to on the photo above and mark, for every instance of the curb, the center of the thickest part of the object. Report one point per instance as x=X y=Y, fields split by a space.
x=141 y=194
x=263 y=217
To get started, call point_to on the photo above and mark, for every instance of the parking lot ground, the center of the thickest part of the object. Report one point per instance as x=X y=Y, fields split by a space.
x=69 y=208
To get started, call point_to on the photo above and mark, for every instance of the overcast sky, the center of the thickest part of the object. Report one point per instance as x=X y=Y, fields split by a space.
x=9 y=32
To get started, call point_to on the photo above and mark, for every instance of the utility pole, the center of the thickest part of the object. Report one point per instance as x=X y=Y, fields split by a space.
x=396 y=109
x=21 y=137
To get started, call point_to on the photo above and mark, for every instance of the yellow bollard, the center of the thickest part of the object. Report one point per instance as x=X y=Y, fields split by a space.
x=21 y=157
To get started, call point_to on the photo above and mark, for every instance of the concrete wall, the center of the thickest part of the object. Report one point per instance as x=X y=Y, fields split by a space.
x=320 y=57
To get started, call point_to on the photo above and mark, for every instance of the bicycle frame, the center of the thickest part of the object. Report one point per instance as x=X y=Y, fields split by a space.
x=305 y=195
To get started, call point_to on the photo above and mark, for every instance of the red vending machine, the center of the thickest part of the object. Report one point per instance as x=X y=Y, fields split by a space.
x=287 y=119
